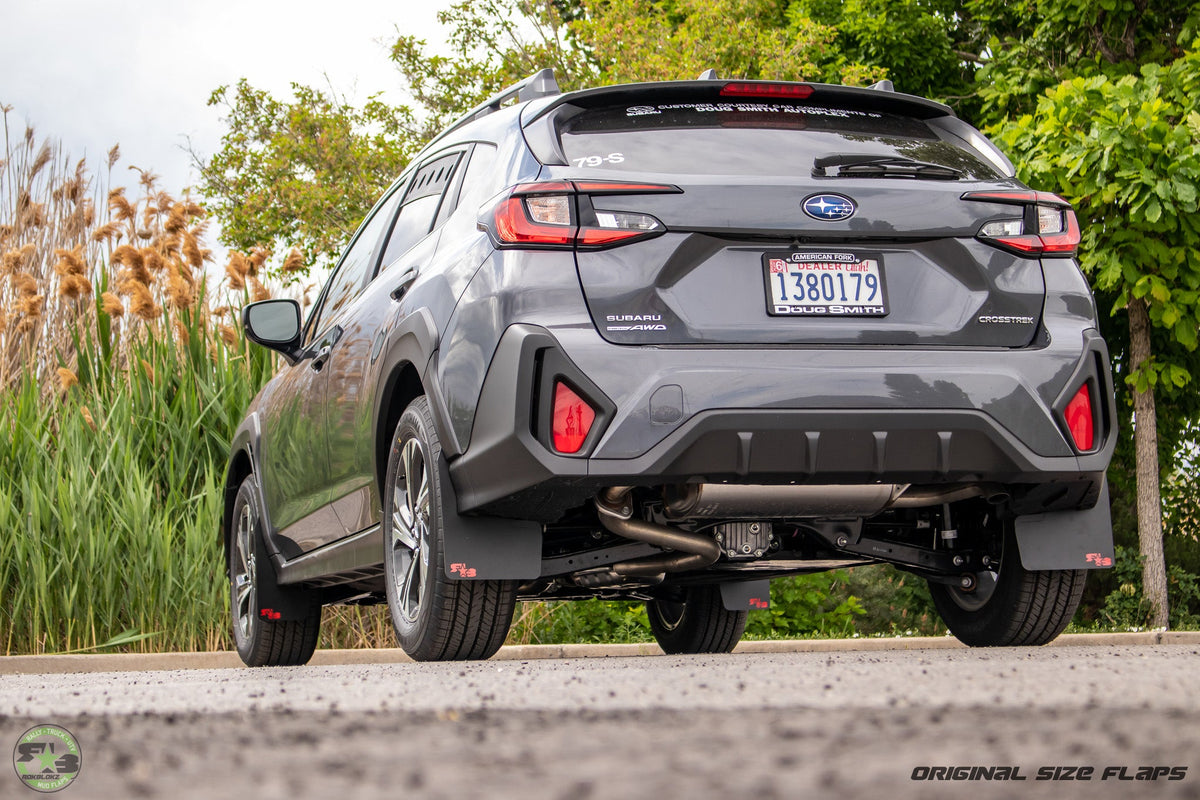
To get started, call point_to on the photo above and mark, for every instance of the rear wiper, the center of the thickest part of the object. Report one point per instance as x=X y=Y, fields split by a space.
x=864 y=166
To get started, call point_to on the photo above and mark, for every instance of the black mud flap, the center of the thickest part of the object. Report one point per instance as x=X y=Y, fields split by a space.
x=487 y=548
x=279 y=603
x=746 y=595
x=1067 y=539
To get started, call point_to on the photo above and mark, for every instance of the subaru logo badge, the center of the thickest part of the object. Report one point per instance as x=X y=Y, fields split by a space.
x=829 y=207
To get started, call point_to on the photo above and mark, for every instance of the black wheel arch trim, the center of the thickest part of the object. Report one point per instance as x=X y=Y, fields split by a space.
x=247 y=443
x=414 y=340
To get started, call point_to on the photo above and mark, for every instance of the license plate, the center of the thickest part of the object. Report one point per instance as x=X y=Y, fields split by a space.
x=830 y=284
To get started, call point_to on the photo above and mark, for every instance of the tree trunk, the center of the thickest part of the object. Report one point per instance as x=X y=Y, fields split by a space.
x=1145 y=440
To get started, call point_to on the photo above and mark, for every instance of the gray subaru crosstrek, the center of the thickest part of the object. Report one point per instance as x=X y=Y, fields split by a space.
x=666 y=342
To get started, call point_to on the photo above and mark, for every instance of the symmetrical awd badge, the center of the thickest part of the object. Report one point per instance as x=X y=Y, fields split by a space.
x=829 y=207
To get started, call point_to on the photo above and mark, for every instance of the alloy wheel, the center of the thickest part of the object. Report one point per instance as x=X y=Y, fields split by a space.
x=245 y=595
x=409 y=548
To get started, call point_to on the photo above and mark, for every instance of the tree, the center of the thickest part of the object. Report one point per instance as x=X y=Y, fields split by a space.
x=1119 y=136
x=927 y=47
x=494 y=44
x=1032 y=45
x=302 y=172
x=646 y=40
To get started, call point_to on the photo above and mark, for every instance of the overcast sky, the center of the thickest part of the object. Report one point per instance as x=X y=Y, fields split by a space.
x=138 y=73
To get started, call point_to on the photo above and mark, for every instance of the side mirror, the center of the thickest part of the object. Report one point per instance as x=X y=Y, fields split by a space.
x=274 y=324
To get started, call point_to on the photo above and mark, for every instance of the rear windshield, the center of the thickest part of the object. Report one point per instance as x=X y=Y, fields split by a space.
x=749 y=138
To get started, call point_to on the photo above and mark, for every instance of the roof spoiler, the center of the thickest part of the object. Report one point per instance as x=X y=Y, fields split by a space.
x=881 y=97
x=540 y=84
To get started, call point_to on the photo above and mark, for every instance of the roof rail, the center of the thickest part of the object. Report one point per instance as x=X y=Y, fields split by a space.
x=540 y=84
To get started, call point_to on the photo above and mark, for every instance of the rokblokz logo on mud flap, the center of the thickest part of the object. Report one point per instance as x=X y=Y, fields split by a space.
x=47 y=758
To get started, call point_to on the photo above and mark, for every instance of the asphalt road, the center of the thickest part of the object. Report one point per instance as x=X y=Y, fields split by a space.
x=792 y=725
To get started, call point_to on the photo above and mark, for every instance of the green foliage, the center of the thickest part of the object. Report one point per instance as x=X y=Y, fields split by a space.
x=923 y=46
x=864 y=601
x=110 y=501
x=1126 y=153
x=805 y=606
x=1035 y=44
x=893 y=601
x=303 y=172
x=1125 y=607
x=644 y=40
x=581 y=622
x=494 y=44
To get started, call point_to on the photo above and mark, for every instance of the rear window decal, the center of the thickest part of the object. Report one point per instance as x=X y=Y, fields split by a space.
x=596 y=161
x=769 y=108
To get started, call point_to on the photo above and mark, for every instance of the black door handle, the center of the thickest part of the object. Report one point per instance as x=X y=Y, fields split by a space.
x=321 y=357
x=405 y=281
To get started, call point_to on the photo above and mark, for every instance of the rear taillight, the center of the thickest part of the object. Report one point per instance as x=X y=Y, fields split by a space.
x=562 y=215
x=541 y=220
x=1046 y=226
x=1080 y=420
x=573 y=418
x=793 y=91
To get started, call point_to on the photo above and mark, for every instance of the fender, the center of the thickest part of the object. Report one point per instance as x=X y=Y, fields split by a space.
x=247 y=439
x=414 y=340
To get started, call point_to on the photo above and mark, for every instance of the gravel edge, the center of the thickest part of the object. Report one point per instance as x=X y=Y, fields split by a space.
x=126 y=662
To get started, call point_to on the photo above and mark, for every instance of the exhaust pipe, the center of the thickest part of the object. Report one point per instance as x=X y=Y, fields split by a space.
x=913 y=497
x=695 y=550
x=614 y=506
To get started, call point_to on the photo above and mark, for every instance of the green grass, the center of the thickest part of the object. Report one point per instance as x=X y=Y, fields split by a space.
x=110 y=501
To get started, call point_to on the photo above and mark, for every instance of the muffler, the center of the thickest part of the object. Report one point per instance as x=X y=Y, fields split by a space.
x=734 y=501
x=762 y=502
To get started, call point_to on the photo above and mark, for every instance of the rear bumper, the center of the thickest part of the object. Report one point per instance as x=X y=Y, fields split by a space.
x=778 y=415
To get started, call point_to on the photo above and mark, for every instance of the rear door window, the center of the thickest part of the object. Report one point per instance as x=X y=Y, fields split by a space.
x=748 y=138
x=420 y=205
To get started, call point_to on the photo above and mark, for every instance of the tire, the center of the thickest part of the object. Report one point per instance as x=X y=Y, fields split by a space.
x=436 y=618
x=262 y=642
x=697 y=622
x=1012 y=607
